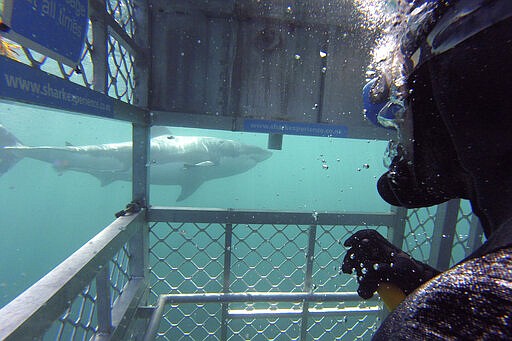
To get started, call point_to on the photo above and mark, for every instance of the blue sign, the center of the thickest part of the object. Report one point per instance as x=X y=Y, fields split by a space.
x=20 y=82
x=56 y=28
x=295 y=128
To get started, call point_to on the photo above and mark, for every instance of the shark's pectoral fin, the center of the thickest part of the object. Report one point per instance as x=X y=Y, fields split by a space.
x=188 y=188
x=106 y=181
x=106 y=178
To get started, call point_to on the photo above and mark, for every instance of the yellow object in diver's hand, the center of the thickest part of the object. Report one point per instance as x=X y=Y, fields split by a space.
x=391 y=295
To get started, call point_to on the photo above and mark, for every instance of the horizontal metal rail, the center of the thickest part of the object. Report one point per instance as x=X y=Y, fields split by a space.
x=225 y=216
x=31 y=313
x=294 y=313
x=234 y=123
x=252 y=297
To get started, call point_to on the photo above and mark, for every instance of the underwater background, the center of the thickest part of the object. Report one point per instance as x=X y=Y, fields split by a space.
x=46 y=216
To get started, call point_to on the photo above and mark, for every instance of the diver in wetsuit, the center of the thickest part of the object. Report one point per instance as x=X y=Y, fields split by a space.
x=448 y=91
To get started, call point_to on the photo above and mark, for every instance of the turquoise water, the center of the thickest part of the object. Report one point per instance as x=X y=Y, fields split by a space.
x=46 y=216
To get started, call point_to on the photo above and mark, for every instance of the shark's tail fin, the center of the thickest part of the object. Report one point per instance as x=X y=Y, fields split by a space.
x=7 y=157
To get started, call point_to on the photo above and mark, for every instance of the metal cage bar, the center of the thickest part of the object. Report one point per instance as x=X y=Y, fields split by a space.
x=397 y=233
x=215 y=215
x=222 y=298
x=308 y=281
x=104 y=301
x=228 y=240
x=33 y=311
x=476 y=233
x=442 y=239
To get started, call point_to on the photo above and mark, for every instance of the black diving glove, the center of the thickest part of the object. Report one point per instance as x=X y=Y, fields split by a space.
x=375 y=260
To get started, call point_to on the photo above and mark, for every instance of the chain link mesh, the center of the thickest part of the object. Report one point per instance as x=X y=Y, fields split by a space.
x=266 y=259
x=461 y=247
x=82 y=74
x=123 y=13
x=343 y=328
x=79 y=321
x=419 y=228
x=265 y=329
x=329 y=254
x=120 y=82
x=120 y=61
x=189 y=258
x=119 y=272
x=186 y=258
x=191 y=322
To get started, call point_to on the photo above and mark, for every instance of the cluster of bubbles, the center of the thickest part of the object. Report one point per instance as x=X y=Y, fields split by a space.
x=374 y=12
x=399 y=23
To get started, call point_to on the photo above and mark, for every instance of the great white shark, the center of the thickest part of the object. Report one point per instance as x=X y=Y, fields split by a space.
x=186 y=161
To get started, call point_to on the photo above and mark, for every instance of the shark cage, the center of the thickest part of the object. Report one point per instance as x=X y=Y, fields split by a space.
x=191 y=273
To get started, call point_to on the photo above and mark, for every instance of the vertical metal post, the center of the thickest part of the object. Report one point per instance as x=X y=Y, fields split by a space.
x=321 y=91
x=308 y=280
x=442 y=238
x=138 y=245
x=475 y=235
x=99 y=45
x=100 y=71
x=396 y=233
x=142 y=66
x=228 y=240
x=103 y=304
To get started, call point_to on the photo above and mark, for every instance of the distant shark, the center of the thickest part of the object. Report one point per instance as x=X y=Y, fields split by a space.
x=186 y=161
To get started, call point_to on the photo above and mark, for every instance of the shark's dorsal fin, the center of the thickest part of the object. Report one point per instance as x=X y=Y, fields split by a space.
x=69 y=144
x=188 y=188
x=160 y=130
